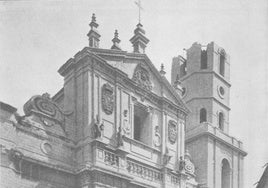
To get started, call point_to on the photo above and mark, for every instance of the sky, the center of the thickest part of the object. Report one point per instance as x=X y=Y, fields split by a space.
x=37 y=37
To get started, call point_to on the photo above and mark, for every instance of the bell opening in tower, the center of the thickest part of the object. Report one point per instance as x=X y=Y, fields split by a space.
x=204 y=61
x=222 y=64
x=203 y=115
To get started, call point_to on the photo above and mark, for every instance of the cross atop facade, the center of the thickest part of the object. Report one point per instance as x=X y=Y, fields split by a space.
x=138 y=3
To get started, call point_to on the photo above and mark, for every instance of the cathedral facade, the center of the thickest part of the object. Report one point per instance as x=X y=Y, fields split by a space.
x=118 y=122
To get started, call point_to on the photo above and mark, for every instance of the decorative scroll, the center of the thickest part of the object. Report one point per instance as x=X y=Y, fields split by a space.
x=189 y=166
x=107 y=99
x=172 y=131
x=142 y=78
x=45 y=108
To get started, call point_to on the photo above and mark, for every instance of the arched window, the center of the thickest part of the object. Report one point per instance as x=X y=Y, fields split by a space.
x=221 y=120
x=222 y=64
x=203 y=115
x=204 y=64
x=225 y=174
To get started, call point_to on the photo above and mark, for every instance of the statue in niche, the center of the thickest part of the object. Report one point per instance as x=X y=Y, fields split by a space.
x=167 y=157
x=157 y=137
x=107 y=99
x=172 y=131
x=126 y=125
x=98 y=128
x=119 y=137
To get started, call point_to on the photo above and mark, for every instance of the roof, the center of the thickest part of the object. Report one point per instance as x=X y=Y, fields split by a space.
x=7 y=107
x=264 y=178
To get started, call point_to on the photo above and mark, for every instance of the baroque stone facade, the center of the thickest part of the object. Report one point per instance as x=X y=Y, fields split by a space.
x=117 y=122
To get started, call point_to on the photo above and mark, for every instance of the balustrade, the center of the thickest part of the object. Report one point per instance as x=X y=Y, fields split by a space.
x=111 y=159
x=143 y=172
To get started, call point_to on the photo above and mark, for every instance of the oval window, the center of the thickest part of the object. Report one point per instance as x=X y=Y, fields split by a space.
x=221 y=91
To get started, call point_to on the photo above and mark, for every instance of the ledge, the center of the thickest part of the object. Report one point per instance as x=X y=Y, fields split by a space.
x=210 y=130
x=7 y=107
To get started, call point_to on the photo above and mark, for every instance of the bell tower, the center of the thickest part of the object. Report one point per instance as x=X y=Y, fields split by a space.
x=205 y=80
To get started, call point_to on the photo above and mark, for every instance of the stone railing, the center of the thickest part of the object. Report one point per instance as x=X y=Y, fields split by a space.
x=209 y=128
x=113 y=162
x=104 y=157
x=173 y=179
x=144 y=172
x=111 y=158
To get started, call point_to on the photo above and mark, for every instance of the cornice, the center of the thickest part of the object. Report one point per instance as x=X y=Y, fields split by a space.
x=206 y=72
x=213 y=98
x=199 y=134
x=62 y=168
x=7 y=107
x=58 y=95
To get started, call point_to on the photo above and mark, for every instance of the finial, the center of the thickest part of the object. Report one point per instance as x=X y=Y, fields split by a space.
x=116 y=34
x=116 y=41
x=93 y=34
x=93 y=24
x=162 y=71
x=93 y=17
x=139 y=40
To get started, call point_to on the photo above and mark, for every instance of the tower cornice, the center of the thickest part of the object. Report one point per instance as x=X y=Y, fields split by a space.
x=206 y=72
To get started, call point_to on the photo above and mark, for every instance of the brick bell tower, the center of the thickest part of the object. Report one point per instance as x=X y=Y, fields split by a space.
x=205 y=81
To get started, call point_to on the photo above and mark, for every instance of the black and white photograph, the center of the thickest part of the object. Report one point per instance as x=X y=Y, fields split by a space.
x=134 y=94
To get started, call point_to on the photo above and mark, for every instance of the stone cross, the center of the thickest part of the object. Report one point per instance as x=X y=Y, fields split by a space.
x=138 y=3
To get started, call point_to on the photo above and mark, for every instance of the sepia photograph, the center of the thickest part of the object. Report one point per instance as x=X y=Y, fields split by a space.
x=134 y=94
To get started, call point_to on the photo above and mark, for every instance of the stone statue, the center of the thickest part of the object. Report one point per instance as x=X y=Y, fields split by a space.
x=181 y=164
x=98 y=128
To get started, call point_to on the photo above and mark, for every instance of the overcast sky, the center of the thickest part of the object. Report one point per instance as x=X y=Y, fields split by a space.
x=37 y=37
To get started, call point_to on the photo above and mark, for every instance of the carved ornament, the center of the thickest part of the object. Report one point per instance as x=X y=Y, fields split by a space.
x=172 y=131
x=44 y=107
x=189 y=166
x=107 y=99
x=142 y=78
x=15 y=155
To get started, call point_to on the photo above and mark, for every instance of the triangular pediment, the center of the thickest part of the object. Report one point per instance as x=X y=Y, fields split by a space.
x=139 y=68
x=146 y=76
